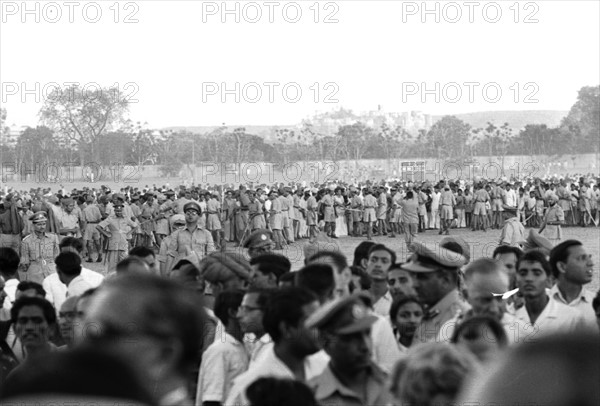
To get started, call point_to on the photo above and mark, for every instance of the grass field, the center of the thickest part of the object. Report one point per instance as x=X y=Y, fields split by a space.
x=482 y=245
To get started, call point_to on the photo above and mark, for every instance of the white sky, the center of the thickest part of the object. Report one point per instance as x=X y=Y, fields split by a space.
x=368 y=54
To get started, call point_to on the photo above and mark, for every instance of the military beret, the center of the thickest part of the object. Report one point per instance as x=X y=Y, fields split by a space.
x=425 y=259
x=192 y=206
x=259 y=238
x=347 y=315
x=39 y=217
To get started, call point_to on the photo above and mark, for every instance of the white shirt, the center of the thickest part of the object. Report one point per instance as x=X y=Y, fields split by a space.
x=435 y=200
x=583 y=303
x=10 y=287
x=271 y=366
x=385 y=346
x=383 y=305
x=77 y=286
x=221 y=363
x=555 y=318
x=258 y=348
x=56 y=291
x=511 y=198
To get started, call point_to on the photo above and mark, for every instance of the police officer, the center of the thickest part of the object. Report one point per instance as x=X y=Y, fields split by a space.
x=435 y=276
x=259 y=242
x=351 y=377
x=192 y=241
x=38 y=251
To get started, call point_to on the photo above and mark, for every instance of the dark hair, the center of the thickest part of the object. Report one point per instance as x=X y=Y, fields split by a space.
x=141 y=251
x=88 y=372
x=43 y=304
x=285 y=305
x=362 y=252
x=277 y=391
x=365 y=279
x=170 y=310
x=401 y=301
x=226 y=301
x=470 y=328
x=123 y=266
x=382 y=247
x=535 y=256
x=275 y=264
x=560 y=253
x=596 y=301
x=68 y=263
x=71 y=242
x=9 y=261
x=288 y=277
x=338 y=259
x=263 y=296
x=317 y=278
x=507 y=249
x=27 y=285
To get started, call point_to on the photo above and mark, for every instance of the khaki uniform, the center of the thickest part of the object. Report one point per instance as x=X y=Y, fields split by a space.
x=329 y=390
x=447 y=308
x=37 y=255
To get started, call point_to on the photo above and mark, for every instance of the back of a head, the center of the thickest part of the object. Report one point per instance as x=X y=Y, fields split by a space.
x=318 y=279
x=561 y=369
x=336 y=259
x=277 y=392
x=68 y=263
x=141 y=251
x=285 y=305
x=132 y=264
x=71 y=242
x=169 y=310
x=84 y=373
x=431 y=372
x=277 y=264
x=9 y=262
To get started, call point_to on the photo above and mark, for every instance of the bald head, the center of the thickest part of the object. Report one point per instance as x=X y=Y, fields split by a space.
x=483 y=278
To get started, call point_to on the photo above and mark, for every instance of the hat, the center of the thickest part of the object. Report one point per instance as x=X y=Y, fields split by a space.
x=428 y=260
x=343 y=316
x=192 y=206
x=118 y=196
x=535 y=240
x=118 y=204
x=314 y=191
x=458 y=245
x=506 y=207
x=314 y=248
x=68 y=201
x=39 y=217
x=177 y=218
x=259 y=238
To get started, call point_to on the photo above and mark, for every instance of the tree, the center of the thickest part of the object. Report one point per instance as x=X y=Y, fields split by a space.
x=581 y=127
x=355 y=139
x=83 y=116
x=448 y=137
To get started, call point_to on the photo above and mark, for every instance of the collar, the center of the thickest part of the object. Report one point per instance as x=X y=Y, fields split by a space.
x=329 y=384
x=445 y=303
x=584 y=295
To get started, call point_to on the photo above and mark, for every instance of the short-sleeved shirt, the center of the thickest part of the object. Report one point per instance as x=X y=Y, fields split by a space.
x=222 y=362
x=39 y=249
x=447 y=308
x=200 y=242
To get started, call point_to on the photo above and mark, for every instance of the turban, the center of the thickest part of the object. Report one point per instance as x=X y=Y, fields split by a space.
x=223 y=267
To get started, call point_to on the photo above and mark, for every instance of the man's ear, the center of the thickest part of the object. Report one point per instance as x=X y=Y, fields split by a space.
x=561 y=266
x=364 y=262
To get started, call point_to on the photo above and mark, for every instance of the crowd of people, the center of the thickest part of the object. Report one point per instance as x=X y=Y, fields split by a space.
x=174 y=315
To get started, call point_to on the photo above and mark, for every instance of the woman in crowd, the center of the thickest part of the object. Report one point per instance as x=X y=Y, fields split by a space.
x=406 y=314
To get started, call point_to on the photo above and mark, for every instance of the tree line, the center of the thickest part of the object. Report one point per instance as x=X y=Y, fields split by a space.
x=92 y=128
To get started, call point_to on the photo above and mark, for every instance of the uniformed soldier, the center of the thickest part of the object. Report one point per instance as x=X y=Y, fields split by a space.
x=71 y=222
x=447 y=203
x=480 y=197
x=213 y=220
x=351 y=377
x=329 y=213
x=382 y=210
x=435 y=277
x=259 y=242
x=38 y=251
x=118 y=236
x=311 y=215
x=356 y=205
x=255 y=209
x=369 y=217
x=193 y=241
x=91 y=235
x=276 y=220
x=552 y=221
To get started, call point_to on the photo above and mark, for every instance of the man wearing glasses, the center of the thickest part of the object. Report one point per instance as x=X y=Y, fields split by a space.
x=193 y=240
